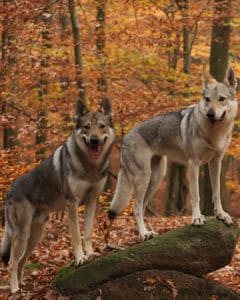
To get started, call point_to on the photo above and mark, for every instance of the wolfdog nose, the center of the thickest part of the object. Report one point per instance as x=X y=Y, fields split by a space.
x=211 y=114
x=94 y=141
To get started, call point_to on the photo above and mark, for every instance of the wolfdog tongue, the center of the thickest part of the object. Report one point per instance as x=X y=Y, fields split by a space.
x=95 y=153
x=214 y=123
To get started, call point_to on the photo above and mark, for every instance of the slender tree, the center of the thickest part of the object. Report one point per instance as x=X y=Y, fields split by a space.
x=220 y=39
x=183 y=5
x=42 y=118
x=100 y=44
x=64 y=21
x=77 y=49
x=177 y=180
x=218 y=65
x=8 y=58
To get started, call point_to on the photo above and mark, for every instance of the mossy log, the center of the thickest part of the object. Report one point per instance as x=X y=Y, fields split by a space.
x=159 y=285
x=189 y=249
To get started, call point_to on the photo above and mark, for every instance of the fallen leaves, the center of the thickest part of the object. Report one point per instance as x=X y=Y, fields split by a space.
x=55 y=251
x=151 y=283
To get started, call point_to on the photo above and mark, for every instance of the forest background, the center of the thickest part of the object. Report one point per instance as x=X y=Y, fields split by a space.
x=145 y=55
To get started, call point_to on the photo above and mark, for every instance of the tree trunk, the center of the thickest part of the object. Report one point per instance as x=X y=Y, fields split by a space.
x=183 y=5
x=177 y=181
x=224 y=190
x=8 y=58
x=188 y=249
x=63 y=21
x=77 y=50
x=205 y=191
x=182 y=189
x=177 y=190
x=64 y=79
x=173 y=55
x=42 y=118
x=220 y=39
x=172 y=188
x=218 y=65
x=186 y=50
x=100 y=44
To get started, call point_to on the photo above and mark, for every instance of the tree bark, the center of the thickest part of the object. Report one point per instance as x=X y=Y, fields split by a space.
x=177 y=181
x=183 y=5
x=100 y=44
x=218 y=66
x=173 y=181
x=189 y=249
x=205 y=191
x=8 y=58
x=220 y=39
x=177 y=189
x=63 y=21
x=42 y=116
x=77 y=50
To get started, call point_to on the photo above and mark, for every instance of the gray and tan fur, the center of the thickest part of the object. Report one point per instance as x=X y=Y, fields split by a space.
x=74 y=175
x=193 y=136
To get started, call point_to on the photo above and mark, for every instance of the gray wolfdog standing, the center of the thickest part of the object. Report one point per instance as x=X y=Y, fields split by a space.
x=74 y=175
x=192 y=136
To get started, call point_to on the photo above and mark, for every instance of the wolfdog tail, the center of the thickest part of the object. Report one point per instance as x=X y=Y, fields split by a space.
x=6 y=244
x=123 y=194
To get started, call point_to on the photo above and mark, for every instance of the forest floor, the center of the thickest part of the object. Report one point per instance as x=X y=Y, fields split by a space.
x=55 y=251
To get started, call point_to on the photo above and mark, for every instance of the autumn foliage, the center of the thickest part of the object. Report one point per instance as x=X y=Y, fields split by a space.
x=142 y=63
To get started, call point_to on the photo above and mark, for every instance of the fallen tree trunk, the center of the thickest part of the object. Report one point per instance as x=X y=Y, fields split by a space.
x=189 y=249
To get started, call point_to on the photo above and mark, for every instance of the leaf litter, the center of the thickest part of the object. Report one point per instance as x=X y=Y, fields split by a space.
x=55 y=250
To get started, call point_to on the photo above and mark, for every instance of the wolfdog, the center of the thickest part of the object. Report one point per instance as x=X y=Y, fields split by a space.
x=74 y=175
x=193 y=136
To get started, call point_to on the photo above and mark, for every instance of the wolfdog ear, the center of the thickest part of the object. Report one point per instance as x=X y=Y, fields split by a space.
x=230 y=78
x=106 y=107
x=81 y=109
x=207 y=78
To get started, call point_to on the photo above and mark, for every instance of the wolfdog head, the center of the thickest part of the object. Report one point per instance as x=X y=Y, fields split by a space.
x=219 y=99
x=94 y=131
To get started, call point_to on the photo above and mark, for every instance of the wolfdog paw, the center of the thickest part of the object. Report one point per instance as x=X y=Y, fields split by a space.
x=14 y=289
x=225 y=217
x=148 y=235
x=199 y=220
x=81 y=260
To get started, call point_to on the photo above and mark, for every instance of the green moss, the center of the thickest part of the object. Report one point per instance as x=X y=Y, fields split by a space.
x=31 y=267
x=188 y=249
x=4 y=282
x=65 y=272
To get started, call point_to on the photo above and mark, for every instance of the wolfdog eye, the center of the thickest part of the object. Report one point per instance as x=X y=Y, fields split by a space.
x=222 y=98
x=86 y=127
x=207 y=99
x=102 y=126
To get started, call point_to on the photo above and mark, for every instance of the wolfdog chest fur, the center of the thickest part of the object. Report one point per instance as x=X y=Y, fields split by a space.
x=59 y=179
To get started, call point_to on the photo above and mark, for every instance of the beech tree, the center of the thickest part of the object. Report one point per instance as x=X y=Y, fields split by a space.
x=8 y=58
x=42 y=118
x=218 y=66
x=77 y=50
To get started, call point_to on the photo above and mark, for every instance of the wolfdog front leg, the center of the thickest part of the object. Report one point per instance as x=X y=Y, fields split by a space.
x=197 y=217
x=72 y=211
x=90 y=209
x=215 y=171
